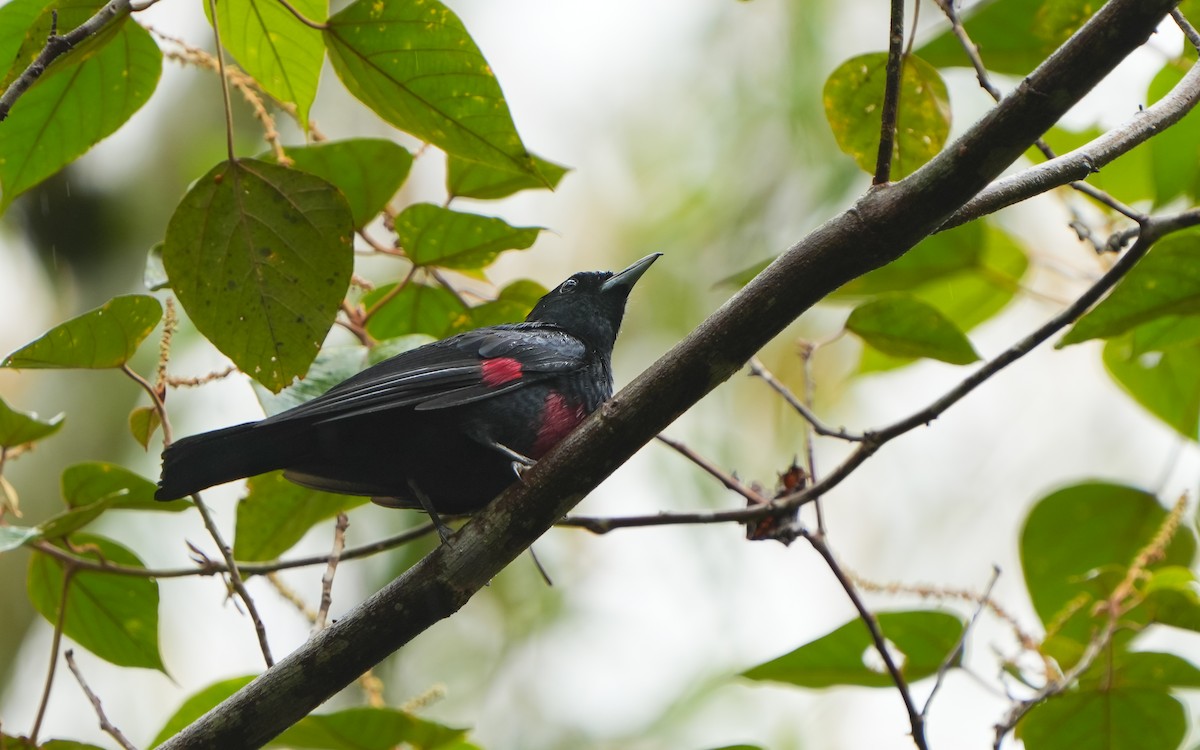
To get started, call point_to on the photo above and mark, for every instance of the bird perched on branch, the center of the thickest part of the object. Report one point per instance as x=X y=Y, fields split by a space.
x=444 y=427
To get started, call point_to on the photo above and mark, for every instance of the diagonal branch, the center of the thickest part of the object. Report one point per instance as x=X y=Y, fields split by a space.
x=882 y=226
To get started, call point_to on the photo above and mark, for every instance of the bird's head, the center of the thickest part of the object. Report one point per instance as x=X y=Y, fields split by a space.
x=591 y=304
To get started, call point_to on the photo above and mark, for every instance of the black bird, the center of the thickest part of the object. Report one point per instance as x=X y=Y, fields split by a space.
x=442 y=427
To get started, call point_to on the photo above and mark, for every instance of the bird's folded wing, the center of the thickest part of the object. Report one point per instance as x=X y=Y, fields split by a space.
x=460 y=370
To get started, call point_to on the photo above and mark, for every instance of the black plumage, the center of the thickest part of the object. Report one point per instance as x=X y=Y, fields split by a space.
x=441 y=426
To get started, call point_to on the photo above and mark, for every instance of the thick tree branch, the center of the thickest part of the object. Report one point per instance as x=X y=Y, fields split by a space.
x=883 y=225
x=1087 y=159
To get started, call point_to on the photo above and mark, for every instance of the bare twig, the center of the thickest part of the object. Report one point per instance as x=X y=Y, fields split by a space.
x=1189 y=31
x=759 y=370
x=957 y=651
x=212 y=7
x=56 y=46
x=891 y=95
x=916 y=718
x=107 y=726
x=728 y=480
x=60 y=618
x=339 y=543
x=199 y=380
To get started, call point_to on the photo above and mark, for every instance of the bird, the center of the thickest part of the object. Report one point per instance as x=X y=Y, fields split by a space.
x=442 y=428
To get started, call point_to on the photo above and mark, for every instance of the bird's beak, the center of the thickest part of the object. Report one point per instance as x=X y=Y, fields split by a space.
x=627 y=278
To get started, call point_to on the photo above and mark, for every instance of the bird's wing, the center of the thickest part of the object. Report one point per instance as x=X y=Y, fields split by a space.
x=459 y=370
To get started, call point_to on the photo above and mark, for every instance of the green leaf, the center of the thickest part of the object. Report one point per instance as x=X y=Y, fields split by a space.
x=470 y=179
x=22 y=743
x=282 y=54
x=260 y=257
x=1075 y=534
x=1013 y=37
x=105 y=337
x=79 y=101
x=73 y=519
x=143 y=423
x=436 y=236
x=922 y=638
x=368 y=171
x=1124 y=719
x=512 y=305
x=1175 y=152
x=367 y=729
x=1165 y=282
x=906 y=327
x=113 y=616
x=93 y=481
x=20 y=25
x=1171 y=598
x=12 y=537
x=21 y=427
x=154 y=276
x=1140 y=670
x=198 y=704
x=333 y=365
x=417 y=308
x=1166 y=383
x=276 y=514
x=391 y=347
x=853 y=99
x=416 y=66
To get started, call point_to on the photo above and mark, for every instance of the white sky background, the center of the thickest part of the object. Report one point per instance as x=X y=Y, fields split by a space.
x=653 y=615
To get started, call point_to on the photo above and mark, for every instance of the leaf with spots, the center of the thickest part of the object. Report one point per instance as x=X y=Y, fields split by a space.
x=101 y=338
x=368 y=171
x=260 y=256
x=415 y=65
x=853 y=99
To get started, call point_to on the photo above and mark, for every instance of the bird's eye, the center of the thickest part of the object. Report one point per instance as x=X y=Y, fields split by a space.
x=569 y=285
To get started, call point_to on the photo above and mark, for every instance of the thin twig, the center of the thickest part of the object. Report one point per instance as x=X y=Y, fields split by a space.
x=759 y=370
x=56 y=46
x=1189 y=31
x=891 y=95
x=729 y=481
x=916 y=719
x=210 y=568
x=55 y=643
x=339 y=543
x=957 y=651
x=105 y=725
x=212 y=6
x=199 y=380
x=807 y=350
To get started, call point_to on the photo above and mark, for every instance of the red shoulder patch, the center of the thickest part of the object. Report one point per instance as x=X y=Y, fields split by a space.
x=500 y=370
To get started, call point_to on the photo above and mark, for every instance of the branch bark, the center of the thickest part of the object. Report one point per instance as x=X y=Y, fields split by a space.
x=879 y=228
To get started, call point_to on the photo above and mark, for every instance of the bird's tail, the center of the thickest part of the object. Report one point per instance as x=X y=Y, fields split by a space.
x=201 y=461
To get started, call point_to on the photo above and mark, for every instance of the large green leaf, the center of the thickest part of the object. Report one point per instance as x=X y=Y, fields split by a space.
x=1175 y=151
x=105 y=337
x=367 y=729
x=93 y=481
x=902 y=326
x=282 y=54
x=80 y=100
x=113 y=616
x=853 y=99
x=20 y=427
x=1079 y=541
x=436 y=236
x=1140 y=669
x=1165 y=282
x=471 y=179
x=276 y=514
x=415 y=65
x=198 y=704
x=1122 y=719
x=1013 y=36
x=1166 y=383
x=417 y=308
x=260 y=257
x=368 y=171
x=333 y=365
x=20 y=27
x=1172 y=597
x=922 y=640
